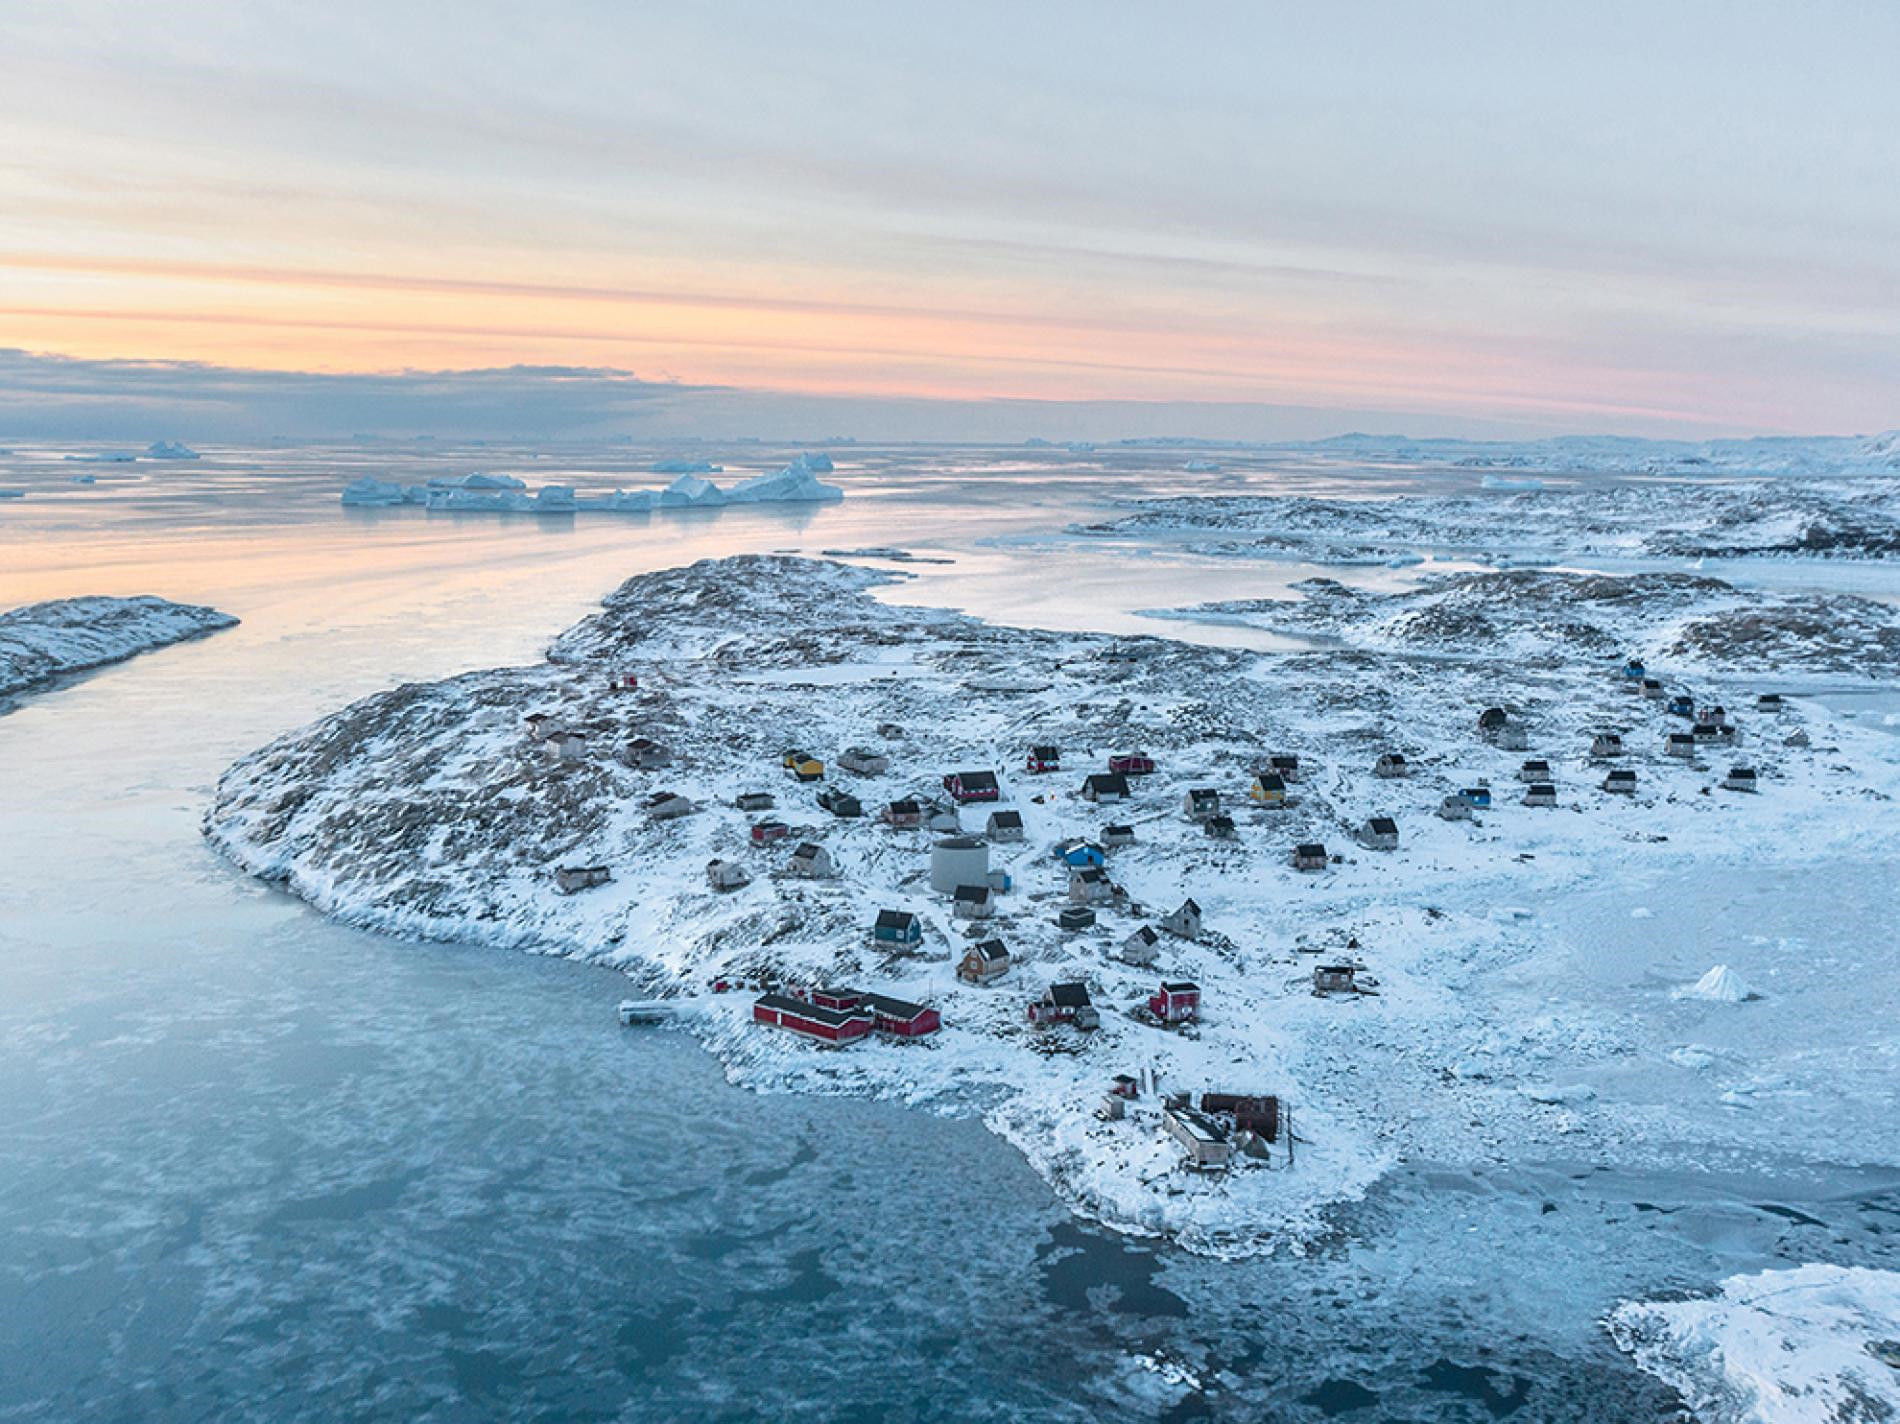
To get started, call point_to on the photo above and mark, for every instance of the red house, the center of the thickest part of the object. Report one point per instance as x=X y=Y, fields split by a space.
x=901 y=1019
x=1132 y=763
x=968 y=786
x=1042 y=759
x=839 y=999
x=765 y=832
x=832 y=1026
x=1176 y=1002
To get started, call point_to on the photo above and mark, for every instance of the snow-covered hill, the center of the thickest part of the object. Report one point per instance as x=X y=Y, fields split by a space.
x=48 y=640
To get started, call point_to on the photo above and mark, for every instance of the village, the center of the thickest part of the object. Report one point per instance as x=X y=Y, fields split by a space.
x=1120 y=897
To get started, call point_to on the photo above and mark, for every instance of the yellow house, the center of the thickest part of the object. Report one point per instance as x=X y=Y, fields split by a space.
x=1268 y=789
x=805 y=768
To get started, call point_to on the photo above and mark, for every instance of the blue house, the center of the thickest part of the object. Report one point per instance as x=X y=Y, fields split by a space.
x=897 y=927
x=1682 y=705
x=1079 y=855
x=1476 y=796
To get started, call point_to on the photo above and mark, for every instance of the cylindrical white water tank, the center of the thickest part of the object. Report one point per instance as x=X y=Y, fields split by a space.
x=959 y=860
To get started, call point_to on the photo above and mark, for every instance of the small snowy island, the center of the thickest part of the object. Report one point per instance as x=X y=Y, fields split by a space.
x=1213 y=936
x=43 y=641
x=796 y=483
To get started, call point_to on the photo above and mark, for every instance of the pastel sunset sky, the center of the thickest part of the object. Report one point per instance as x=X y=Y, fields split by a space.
x=905 y=219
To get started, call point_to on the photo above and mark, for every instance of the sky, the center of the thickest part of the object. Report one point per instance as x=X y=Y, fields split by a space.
x=901 y=220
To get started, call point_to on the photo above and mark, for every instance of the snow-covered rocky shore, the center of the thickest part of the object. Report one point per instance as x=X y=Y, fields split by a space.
x=429 y=810
x=796 y=483
x=48 y=640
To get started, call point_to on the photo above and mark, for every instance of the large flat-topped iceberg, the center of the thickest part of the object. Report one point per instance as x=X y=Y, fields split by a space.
x=48 y=640
x=797 y=483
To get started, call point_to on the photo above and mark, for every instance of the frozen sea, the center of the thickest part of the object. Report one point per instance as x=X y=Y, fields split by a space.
x=256 y=1165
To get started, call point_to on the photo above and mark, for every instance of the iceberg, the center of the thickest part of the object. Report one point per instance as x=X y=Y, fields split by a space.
x=476 y=481
x=106 y=457
x=796 y=483
x=1201 y=467
x=170 y=450
x=815 y=462
x=373 y=492
x=1720 y=985
x=685 y=467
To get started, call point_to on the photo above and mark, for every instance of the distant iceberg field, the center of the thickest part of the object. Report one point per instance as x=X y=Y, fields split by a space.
x=796 y=483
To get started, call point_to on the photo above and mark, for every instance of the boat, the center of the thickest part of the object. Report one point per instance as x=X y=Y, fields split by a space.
x=645 y=1011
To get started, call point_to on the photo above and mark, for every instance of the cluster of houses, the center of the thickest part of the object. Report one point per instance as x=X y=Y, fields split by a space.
x=1212 y=1131
x=838 y=1016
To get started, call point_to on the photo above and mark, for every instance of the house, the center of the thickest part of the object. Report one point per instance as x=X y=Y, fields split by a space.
x=1492 y=720
x=1311 y=856
x=1540 y=793
x=889 y=731
x=1268 y=789
x=1220 y=828
x=1391 y=765
x=1285 y=765
x=1512 y=738
x=802 y=767
x=1681 y=705
x=625 y=682
x=1768 y=702
x=1065 y=1003
x=1105 y=786
x=1679 y=744
x=1077 y=854
x=567 y=746
x=1715 y=716
x=864 y=762
x=570 y=878
x=899 y=1018
x=643 y=753
x=765 y=832
x=1379 y=833
x=1621 y=782
x=1256 y=1114
x=1454 y=808
x=1202 y=1138
x=1477 y=797
x=813 y=862
x=1090 y=885
x=967 y=786
x=1536 y=769
x=1634 y=669
x=724 y=875
x=1185 y=922
x=1200 y=803
x=1131 y=764
x=1118 y=835
x=1335 y=979
x=828 y=1026
x=1606 y=744
x=1177 y=1001
x=897 y=927
x=667 y=806
x=904 y=814
x=1740 y=778
x=1046 y=757
x=755 y=801
x=1652 y=687
x=1076 y=917
x=542 y=725
x=1004 y=826
x=1706 y=731
x=1142 y=948
x=840 y=803
x=984 y=962
x=973 y=902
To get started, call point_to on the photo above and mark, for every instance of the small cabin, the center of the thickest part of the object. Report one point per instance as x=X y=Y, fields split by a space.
x=1335 y=979
x=625 y=682
x=813 y=862
x=967 y=786
x=643 y=754
x=840 y=803
x=1004 y=826
x=755 y=801
x=1079 y=854
x=1090 y=885
x=1540 y=793
x=1220 y=827
x=724 y=875
x=667 y=806
x=899 y=1018
x=1634 y=669
x=1537 y=769
x=1105 y=786
x=973 y=902
x=1142 y=948
x=1714 y=715
x=1286 y=766
x=1184 y=922
x=1454 y=808
x=1177 y=1001
x=1652 y=687
x=1065 y=1003
x=1379 y=833
x=1740 y=778
x=1203 y=1140
x=1391 y=766
x=571 y=878
x=1606 y=744
x=1075 y=917
x=1679 y=744
x=1131 y=764
x=1768 y=702
x=862 y=761
x=1044 y=758
x=897 y=927
x=905 y=814
x=1681 y=705
x=567 y=746
x=1115 y=836
x=1268 y=789
x=1200 y=803
x=542 y=725
x=803 y=767
x=1622 y=783
x=1477 y=797
x=984 y=962
x=765 y=832
x=1512 y=738
x=1311 y=856
x=1706 y=731
x=827 y=1026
